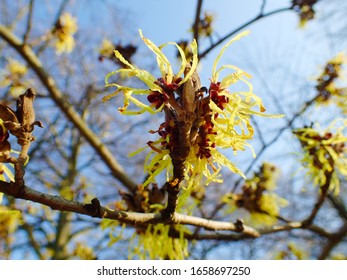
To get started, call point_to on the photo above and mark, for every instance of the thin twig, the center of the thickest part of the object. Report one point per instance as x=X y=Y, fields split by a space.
x=322 y=196
x=61 y=9
x=258 y=17
x=259 y=131
x=197 y=20
x=262 y=8
x=48 y=36
x=29 y=22
x=339 y=205
x=35 y=245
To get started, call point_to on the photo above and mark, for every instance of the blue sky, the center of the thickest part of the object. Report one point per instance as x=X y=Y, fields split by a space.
x=164 y=21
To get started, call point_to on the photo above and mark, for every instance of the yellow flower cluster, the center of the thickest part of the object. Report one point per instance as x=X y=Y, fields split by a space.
x=9 y=219
x=155 y=243
x=292 y=252
x=63 y=32
x=218 y=118
x=324 y=154
x=205 y=28
x=12 y=77
x=305 y=9
x=258 y=197
x=106 y=48
x=328 y=90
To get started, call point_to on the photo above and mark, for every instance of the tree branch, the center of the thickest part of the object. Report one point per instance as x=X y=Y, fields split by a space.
x=296 y=225
x=339 y=205
x=323 y=194
x=336 y=239
x=196 y=22
x=263 y=4
x=29 y=22
x=94 y=209
x=27 y=53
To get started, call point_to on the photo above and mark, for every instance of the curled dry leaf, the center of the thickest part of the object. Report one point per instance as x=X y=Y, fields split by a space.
x=21 y=123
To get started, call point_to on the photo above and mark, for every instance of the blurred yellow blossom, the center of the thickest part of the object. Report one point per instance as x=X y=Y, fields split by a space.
x=292 y=252
x=9 y=219
x=324 y=154
x=83 y=252
x=12 y=77
x=305 y=9
x=258 y=197
x=204 y=26
x=155 y=243
x=328 y=90
x=107 y=47
x=63 y=33
x=339 y=256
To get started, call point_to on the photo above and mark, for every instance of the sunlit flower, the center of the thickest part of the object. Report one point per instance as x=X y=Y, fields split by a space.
x=184 y=45
x=155 y=243
x=324 y=154
x=228 y=123
x=12 y=77
x=63 y=32
x=157 y=88
x=198 y=121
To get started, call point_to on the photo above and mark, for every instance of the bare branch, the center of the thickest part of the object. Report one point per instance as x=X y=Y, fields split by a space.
x=294 y=226
x=34 y=244
x=215 y=225
x=322 y=196
x=336 y=239
x=94 y=209
x=263 y=4
x=196 y=22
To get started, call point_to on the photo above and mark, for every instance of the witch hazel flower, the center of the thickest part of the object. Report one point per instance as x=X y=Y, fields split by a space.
x=198 y=121
x=324 y=154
